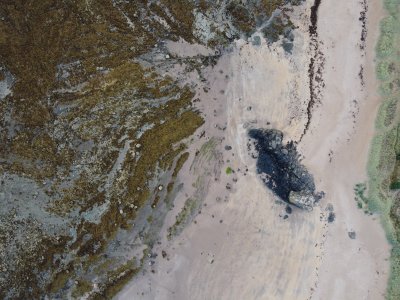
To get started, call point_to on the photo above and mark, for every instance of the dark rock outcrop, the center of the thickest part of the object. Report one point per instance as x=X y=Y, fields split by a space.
x=281 y=169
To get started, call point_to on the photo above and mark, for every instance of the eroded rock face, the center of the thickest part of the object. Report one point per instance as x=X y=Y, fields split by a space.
x=281 y=170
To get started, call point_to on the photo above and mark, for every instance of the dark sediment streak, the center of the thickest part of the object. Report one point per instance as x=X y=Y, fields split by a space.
x=311 y=67
x=363 y=19
x=314 y=17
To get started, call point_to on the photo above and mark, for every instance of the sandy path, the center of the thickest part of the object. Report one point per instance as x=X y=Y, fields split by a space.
x=242 y=248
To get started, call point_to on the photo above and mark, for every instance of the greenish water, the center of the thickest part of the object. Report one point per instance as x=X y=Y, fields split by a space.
x=384 y=158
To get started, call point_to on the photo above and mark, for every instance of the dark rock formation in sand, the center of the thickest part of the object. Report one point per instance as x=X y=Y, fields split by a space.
x=281 y=170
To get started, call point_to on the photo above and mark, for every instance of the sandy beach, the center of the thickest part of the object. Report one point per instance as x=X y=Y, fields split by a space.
x=242 y=244
x=351 y=269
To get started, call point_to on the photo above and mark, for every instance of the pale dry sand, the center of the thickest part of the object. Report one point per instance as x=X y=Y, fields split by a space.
x=351 y=269
x=240 y=247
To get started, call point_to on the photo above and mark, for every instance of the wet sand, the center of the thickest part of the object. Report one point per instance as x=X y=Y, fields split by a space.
x=240 y=245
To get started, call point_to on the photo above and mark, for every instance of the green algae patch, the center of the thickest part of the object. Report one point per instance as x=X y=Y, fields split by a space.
x=59 y=280
x=184 y=217
x=241 y=17
x=82 y=287
x=228 y=170
x=383 y=165
x=360 y=191
x=117 y=279
x=179 y=164
x=166 y=135
x=205 y=167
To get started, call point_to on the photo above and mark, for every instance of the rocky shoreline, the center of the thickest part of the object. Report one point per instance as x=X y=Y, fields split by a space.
x=98 y=114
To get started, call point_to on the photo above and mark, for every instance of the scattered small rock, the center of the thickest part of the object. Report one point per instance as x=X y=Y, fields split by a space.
x=352 y=234
x=288 y=210
x=329 y=207
x=227 y=148
x=256 y=41
x=331 y=217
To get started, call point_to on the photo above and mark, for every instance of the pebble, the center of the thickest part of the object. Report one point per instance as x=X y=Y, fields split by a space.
x=352 y=234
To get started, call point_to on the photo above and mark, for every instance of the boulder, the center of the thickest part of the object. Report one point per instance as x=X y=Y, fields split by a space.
x=302 y=199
